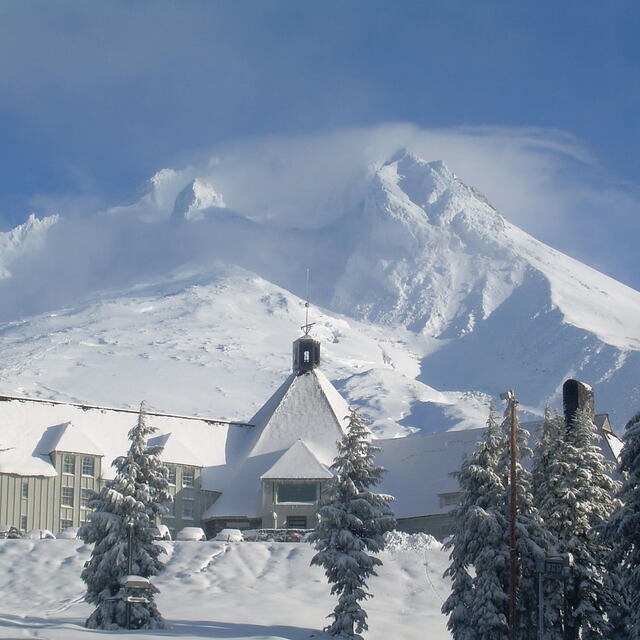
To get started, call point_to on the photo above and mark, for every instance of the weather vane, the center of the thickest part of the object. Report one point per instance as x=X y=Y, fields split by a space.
x=306 y=327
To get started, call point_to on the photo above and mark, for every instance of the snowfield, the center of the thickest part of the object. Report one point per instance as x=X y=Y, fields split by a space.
x=247 y=591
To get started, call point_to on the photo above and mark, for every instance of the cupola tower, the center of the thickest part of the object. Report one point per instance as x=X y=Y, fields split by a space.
x=306 y=350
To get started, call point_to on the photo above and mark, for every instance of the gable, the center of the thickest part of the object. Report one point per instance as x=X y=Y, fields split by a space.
x=298 y=462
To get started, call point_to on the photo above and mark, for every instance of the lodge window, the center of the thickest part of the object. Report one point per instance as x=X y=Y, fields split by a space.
x=88 y=468
x=67 y=497
x=68 y=463
x=171 y=473
x=25 y=489
x=23 y=522
x=85 y=496
x=306 y=356
x=296 y=522
x=188 y=478
x=296 y=492
x=64 y=524
x=187 y=508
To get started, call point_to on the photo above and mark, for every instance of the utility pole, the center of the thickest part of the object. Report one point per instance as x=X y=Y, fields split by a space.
x=129 y=567
x=512 y=402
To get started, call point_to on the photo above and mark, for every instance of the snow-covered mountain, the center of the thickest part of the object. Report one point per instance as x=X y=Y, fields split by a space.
x=428 y=302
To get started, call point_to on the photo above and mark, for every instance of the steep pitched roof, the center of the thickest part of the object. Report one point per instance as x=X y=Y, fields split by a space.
x=298 y=462
x=305 y=407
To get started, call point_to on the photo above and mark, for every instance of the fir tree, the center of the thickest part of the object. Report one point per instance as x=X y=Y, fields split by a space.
x=133 y=499
x=623 y=533
x=550 y=434
x=353 y=521
x=549 y=437
x=533 y=541
x=575 y=498
x=477 y=604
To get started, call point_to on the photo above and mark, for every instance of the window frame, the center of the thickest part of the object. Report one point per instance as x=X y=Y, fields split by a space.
x=291 y=485
x=66 y=490
x=299 y=518
x=191 y=502
x=189 y=472
x=24 y=490
x=91 y=460
x=65 y=458
x=85 y=496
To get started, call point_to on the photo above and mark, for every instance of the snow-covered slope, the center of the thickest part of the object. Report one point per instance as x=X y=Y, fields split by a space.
x=221 y=590
x=429 y=302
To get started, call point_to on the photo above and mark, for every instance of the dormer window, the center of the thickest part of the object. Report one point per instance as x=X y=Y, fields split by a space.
x=307 y=356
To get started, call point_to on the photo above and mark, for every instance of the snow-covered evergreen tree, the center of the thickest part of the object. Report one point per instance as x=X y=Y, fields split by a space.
x=133 y=499
x=623 y=534
x=549 y=436
x=533 y=541
x=353 y=521
x=477 y=604
x=576 y=498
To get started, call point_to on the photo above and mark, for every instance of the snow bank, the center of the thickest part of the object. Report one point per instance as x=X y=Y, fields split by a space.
x=401 y=541
x=218 y=590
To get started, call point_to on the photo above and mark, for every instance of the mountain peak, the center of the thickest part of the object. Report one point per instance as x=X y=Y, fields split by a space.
x=194 y=199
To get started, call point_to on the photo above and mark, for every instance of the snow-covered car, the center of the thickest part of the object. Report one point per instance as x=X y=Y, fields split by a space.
x=39 y=534
x=191 y=533
x=161 y=532
x=230 y=535
x=7 y=531
x=68 y=533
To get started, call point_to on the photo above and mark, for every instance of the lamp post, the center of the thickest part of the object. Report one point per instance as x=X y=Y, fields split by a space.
x=556 y=566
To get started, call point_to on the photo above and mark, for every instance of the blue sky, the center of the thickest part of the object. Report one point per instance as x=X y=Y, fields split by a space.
x=96 y=97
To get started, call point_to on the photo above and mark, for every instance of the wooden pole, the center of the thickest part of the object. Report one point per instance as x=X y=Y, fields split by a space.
x=513 y=558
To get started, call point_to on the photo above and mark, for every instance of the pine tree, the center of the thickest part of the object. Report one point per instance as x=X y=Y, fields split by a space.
x=352 y=524
x=549 y=437
x=575 y=499
x=477 y=604
x=133 y=499
x=623 y=533
x=532 y=540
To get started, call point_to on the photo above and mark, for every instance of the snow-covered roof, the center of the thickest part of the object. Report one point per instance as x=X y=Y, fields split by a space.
x=306 y=407
x=30 y=429
x=298 y=462
x=420 y=467
x=176 y=451
x=66 y=437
